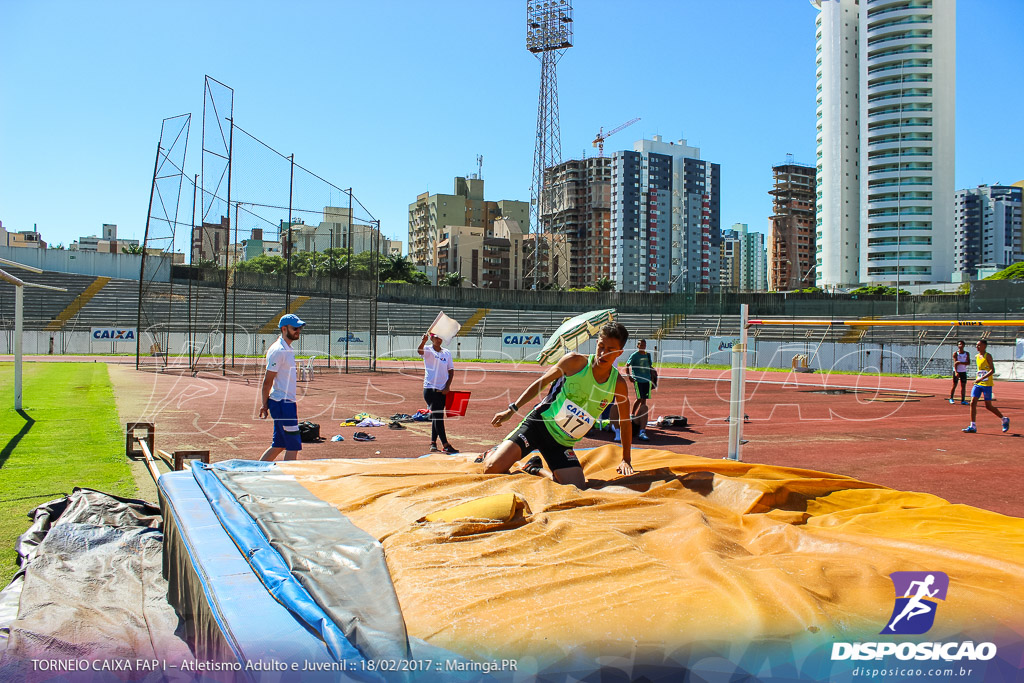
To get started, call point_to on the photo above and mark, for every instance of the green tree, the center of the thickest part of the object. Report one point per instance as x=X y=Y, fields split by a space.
x=878 y=290
x=334 y=262
x=604 y=284
x=419 y=278
x=451 y=280
x=396 y=267
x=1014 y=272
x=132 y=249
x=264 y=263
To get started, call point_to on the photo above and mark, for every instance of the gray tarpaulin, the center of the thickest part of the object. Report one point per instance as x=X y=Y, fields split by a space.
x=93 y=588
x=341 y=566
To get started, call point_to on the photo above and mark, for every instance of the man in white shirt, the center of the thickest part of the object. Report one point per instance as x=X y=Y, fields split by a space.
x=437 y=380
x=278 y=391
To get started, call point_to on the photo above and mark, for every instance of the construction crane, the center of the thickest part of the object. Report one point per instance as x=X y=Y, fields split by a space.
x=602 y=136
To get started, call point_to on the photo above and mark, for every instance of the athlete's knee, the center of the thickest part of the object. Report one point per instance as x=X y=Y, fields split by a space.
x=570 y=475
x=500 y=459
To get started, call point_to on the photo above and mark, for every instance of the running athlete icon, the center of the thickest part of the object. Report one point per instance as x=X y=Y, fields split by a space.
x=916 y=606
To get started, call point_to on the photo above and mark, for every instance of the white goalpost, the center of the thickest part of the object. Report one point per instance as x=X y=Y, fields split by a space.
x=19 y=316
x=737 y=389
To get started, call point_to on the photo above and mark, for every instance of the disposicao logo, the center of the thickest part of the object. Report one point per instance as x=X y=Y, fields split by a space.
x=917 y=594
x=913 y=613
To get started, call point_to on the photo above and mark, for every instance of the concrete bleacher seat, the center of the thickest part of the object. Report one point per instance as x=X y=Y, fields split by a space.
x=168 y=306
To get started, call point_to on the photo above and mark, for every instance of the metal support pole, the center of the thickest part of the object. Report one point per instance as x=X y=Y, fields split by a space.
x=142 y=261
x=330 y=298
x=348 y=281
x=737 y=389
x=227 y=251
x=190 y=335
x=19 y=324
x=288 y=245
x=234 y=291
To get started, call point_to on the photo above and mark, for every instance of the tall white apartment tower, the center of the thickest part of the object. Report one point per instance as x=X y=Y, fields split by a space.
x=908 y=78
x=838 y=141
x=904 y=89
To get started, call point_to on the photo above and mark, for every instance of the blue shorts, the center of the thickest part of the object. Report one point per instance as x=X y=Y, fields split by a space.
x=981 y=392
x=286 y=425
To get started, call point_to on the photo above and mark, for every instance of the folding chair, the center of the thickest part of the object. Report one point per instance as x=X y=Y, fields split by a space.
x=306 y=371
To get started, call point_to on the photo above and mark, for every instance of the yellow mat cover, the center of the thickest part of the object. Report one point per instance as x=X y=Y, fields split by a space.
x=687 y=549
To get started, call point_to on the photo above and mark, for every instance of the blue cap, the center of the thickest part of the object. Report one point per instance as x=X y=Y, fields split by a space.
x=291 y=319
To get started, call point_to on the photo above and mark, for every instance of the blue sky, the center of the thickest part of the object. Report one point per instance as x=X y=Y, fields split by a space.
x=396 y=98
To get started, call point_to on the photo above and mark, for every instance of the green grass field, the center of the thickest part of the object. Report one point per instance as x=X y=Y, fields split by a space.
x=67 y=435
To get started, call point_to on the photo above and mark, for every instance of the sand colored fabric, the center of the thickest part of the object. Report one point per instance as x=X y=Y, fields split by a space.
x=687 y=549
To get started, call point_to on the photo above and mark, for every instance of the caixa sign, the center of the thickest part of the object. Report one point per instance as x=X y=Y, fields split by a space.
x=522 y=340
x=114 y=334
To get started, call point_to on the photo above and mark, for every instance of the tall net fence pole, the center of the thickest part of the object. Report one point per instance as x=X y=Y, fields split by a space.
x=155 y=293
x=142 y=262
x=228 y=252
x=190 y=334
x=348 y=284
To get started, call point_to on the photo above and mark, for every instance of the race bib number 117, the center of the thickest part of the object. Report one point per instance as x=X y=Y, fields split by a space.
x=573 y=420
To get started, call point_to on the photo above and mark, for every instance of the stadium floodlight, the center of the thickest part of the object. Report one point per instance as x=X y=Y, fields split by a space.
x=19 y=316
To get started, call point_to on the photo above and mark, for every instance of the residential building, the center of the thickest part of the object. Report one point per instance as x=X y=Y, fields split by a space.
x=546 y=259
x=791 y=249
x=258 y=246
x=744 y=261
x=502 y=257
x=665 y=228
x=487 y=258
x=210 y=240
x=31 y=239
x=431 y=214
x=581 y=210
x=731 y=248
x=837 y=190
x=108 y=244
x=988 y=230
x=335 y=231
x=901 y=98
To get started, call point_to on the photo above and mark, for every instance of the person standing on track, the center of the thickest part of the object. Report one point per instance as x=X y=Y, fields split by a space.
x=438 y=371
x=581 y=388
x=983 y=388
x=278 y=391
x=640 y=372
x=961 y=359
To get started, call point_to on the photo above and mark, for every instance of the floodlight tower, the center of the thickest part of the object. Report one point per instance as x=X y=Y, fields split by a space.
x=548 y=36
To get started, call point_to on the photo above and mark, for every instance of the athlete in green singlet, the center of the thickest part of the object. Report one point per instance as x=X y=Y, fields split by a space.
x=581 y=388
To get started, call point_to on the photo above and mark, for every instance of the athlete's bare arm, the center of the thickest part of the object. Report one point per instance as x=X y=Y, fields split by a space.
x=569 y=364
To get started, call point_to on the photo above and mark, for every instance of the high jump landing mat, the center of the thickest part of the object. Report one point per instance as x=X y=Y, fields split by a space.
x=432 y=568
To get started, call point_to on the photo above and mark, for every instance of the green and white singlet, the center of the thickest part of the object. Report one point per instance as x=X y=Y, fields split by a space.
x=574 y=403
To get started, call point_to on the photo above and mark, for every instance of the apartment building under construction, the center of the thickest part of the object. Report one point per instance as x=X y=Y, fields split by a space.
x=791 y=252
x=581 y=211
